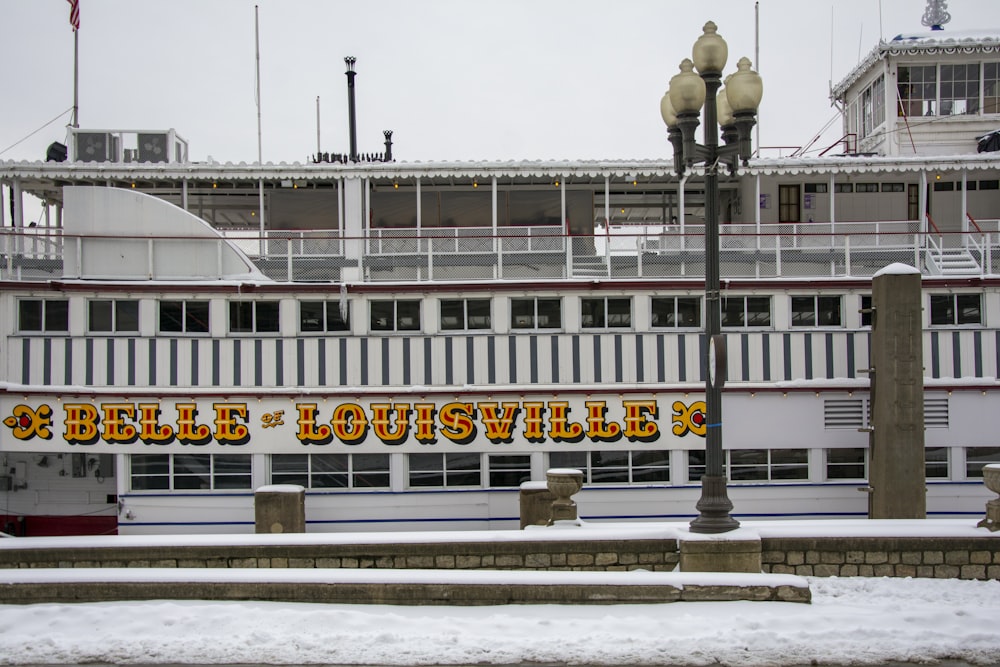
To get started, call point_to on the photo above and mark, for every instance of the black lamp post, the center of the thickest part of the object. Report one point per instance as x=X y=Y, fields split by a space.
x=735 y=109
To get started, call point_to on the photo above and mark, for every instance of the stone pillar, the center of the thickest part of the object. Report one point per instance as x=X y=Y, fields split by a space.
x=896 y=472
x=991 y=478
x=735 y=551
x=564 y=483
x=536 y=504
x=280 y=508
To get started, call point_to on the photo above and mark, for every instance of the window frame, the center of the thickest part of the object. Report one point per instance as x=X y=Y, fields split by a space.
x=605 y=315
x=769 y=464
x=394 y=320
x=676 y=315
x=589 y=463
x=469 y=321
x=116 y=314
x=829 y=466
x=313 y=474
x=451 y=467
x=330 y=319
x=817 y=311
x=44 y=310
x=215 y=473
x=531 y=324
x=184 y=316
x=256 y=317
x=746 y=312
x=954 y=312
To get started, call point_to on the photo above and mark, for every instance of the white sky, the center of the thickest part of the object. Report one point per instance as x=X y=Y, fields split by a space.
x=455 y=80
x=852 y=620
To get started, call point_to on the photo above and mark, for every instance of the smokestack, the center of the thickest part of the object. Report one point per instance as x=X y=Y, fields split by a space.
x=388 y=145
x=350 y=60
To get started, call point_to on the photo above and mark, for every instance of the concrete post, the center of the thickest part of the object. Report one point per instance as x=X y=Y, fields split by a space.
x=536 y=504
x=896 y=474
x=280 y=508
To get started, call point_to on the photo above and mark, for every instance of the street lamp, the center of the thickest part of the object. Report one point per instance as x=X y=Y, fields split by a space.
x=735 y=109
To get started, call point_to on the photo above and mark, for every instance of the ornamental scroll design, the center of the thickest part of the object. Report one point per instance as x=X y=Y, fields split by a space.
x=936 y=14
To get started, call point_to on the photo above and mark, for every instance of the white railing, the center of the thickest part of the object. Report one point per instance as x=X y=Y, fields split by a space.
x=464 y=254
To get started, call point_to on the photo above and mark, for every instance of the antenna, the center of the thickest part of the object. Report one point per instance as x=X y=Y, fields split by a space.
x=318 y=148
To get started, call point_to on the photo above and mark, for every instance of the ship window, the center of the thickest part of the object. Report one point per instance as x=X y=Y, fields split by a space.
x=331 y=471
x=681 y=311
x=317 y=316
x=959 y=89
x=977 y=457
x=763 y=465
x=746 y=311
x=48 y=315
x=184 y=316
x=989 y=185
x=253 y=317
x=872 y=108
x=815 y=188
x=113 y=315
x=157 y=472
x=936 y=462
x=955 y=309
x=465 y=314
x=866 y=310
x=991 y=87
x=841 y=188
x=604 y=313
x=867 y=187
x=816 y=311
x=444 y=470
x=616 y=466
x=395 y=315
x=917 y=88
x=541 y=313
x=847 y=463
x=509 y=470
x=893 y=187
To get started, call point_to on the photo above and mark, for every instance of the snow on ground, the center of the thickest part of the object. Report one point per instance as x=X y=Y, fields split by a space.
x=851 y=621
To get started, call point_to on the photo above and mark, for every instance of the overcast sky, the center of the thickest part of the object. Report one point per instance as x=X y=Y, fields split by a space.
x=454 y=79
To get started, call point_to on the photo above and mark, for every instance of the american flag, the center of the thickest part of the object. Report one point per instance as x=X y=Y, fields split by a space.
x=74 y=14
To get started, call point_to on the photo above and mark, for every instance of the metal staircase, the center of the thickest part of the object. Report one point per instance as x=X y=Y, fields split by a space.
x=951 y=262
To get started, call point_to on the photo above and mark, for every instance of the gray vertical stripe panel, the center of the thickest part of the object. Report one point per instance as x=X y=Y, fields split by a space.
x=237 y=363
x=576 y=359
x=491 y=353
x=428 y=362
x=109 y=346
x=470 y=365
x=26 y=361
x=703 y=356
x=935 y=356
x=449 y=365
x=364 y=361
x=512 y=359
x=851 y=363
x=555 y=358
x=279 y=363
x=829 y=356
x=151 y=361
x=173 y=362
x=640 y=361
x=977 y=351
x=956 y=355
x=618 y=358
x=661 y=359
x=533 y=357
x=195 y=347
x=88 y=360
x=596 y=342
x=745 y=350
x=68 y=371
x=131 y=362
x=320 y=361
x=786 y=340
x=343 y=362
x=258 y=363
x=766 y=349
x=681 y=357
x=385 y=362
x=300 y=362
x=996 y=353
x=406 y=361
x=47 y=361
x=807 y=345
x=216 y=363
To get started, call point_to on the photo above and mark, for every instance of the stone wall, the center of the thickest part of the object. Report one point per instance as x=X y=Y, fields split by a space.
x=930 y=557
x=924 y=557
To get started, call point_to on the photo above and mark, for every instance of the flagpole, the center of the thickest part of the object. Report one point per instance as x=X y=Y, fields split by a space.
x=260 y=152
x=76 y=78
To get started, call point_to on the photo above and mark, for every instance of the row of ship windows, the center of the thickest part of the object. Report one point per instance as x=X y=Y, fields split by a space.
x=162 y=472
x=528 y=313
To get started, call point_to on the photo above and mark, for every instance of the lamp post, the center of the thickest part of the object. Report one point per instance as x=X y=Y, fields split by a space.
x=735 y=109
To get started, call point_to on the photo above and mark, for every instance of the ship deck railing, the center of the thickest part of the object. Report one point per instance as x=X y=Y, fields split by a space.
x=785 y=250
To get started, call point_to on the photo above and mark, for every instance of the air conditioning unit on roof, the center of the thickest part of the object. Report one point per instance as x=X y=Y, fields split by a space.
x=153 y=146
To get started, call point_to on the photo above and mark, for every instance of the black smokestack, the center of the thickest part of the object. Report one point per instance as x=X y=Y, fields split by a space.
x=350 y=107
